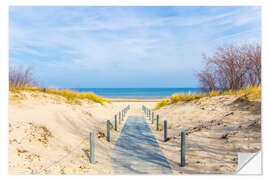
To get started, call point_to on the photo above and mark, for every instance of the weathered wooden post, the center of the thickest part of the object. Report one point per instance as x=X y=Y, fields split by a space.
x=152 y=117
x=183 y=146
x=157 y=121
x=92 y=144
x=108 y=131
x=115 y=122
x=165 y=130
x=91 y=155
x=119 y=117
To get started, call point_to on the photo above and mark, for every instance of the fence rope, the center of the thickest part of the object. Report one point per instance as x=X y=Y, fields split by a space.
x=62 y=158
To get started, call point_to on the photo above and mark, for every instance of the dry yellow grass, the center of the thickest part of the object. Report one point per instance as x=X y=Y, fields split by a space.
x=72 y=97
x=162 y=103
x=252 y=92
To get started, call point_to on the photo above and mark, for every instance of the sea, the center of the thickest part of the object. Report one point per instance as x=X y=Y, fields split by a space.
x=137 y=93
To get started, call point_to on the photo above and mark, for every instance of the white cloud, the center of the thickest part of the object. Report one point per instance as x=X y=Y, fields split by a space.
x=102 y=38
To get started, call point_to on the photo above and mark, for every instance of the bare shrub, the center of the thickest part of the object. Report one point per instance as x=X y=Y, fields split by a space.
x=20 y=77
x=232 y=67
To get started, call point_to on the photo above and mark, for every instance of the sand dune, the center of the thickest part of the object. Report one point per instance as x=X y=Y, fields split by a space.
x=217 y=128
x=47 y=135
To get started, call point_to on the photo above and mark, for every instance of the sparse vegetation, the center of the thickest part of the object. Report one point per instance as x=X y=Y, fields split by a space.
x=232 y=70
x=162 y=103
x=72 y=97
x=23 y=79
x=252 y=92
x=20 y=77
x=232 y=67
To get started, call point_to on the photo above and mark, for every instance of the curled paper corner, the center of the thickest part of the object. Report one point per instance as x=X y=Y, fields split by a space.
x=249 y=163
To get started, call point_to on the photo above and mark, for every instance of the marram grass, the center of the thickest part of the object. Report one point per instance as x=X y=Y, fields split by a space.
x=162 y=103
x=252 y=92
x=72 y=97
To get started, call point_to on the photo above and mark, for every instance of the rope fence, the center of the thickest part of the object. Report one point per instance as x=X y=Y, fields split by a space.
x=147 y=112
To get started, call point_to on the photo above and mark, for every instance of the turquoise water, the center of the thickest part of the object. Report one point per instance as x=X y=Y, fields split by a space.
x=141 y=93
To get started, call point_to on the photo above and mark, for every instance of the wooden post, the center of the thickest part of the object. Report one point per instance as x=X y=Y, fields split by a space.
x=165 y=130
x=115 y=122
x=92 y=144
x=108 y=131
x=152 y=117
x=183 y=151
x=119 y=117
x=157 y=121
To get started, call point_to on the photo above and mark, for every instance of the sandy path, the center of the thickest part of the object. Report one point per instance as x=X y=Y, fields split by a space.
x=137 y=151
x=46 y=134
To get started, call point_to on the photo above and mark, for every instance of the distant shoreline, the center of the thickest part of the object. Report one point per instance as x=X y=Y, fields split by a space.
x=133 y=99
x=141 y=94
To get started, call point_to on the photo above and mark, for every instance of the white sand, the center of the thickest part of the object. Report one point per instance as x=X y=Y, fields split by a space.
x=46 y=134
x=217 y=127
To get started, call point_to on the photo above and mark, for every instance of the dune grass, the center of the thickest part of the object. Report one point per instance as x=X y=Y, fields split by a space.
x=72 y=97
x=162 y=103
x=252 y=92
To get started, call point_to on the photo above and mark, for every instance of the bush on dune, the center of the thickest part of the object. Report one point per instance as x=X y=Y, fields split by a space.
x=233 y=66
x=22 y=79
x=236 y=69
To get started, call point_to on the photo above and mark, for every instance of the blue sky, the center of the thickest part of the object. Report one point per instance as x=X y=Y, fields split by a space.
x=114 y=47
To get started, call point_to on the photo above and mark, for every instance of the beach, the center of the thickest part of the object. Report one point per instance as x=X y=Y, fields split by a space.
x=133 y=89
x=47 y=134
